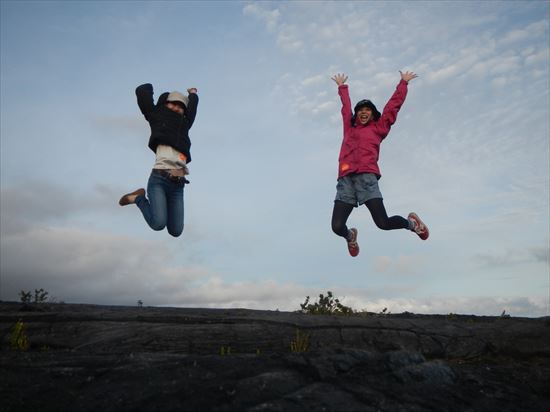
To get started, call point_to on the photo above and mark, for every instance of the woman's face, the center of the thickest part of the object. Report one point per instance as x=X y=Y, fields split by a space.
x=364 y=114
x=174 y=107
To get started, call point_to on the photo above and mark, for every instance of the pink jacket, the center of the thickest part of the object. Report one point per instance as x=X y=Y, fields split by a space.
x=361 y=144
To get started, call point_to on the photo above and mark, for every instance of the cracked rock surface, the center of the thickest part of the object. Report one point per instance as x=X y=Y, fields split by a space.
x=108 y=358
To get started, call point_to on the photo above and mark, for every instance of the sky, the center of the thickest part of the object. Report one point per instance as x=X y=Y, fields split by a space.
x=469 y=153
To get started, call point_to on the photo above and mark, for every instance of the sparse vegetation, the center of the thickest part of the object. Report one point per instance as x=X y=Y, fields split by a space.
x=18 y=337
x=300 y=343
x=327 y=305
x=40 y=296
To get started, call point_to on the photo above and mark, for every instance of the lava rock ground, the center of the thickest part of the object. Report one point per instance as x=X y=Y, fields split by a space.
x=108 y=358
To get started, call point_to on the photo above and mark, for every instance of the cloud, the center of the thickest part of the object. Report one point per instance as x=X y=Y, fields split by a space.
x=531 y=31
x=80 y=266
x=287 y=39
x=400 y=265
x=538 y=57
x=314 y=80
x=514 y=257
x=475 y=50
x=270 y=294
x=541 y=253
x=269 y=17
x=37 y=200
x=262 y=294
x=40 y=202
x=39 y=248
x=482 y=305
x=120 y=125
x=309 y=97
x=76 y=265
x=500 y=81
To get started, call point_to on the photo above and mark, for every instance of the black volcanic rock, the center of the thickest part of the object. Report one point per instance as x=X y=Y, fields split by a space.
x=104 y=358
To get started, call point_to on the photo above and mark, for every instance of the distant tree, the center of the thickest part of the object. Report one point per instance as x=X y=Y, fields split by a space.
x=40 y=296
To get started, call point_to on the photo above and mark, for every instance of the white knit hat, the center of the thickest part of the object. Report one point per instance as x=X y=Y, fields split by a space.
x=177 y=97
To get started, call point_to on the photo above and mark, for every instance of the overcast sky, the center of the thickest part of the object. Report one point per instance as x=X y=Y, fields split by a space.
x=469 y=153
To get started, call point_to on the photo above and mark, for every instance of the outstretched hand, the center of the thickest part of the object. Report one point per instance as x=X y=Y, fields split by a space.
x=192 y=90
x=408 y=76
x=339 y=79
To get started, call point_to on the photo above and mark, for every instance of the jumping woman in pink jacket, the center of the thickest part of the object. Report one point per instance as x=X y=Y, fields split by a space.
x=358 y=171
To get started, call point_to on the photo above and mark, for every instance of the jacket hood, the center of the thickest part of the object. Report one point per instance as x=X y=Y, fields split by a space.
x=365 y=103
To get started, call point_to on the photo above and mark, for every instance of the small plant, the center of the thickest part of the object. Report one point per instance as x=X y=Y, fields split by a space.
x=40 y=296
x=25 y=297
x=504 y=314
x=225 y=350
x=301 y=343
x=327 y=305
x=140 y=303
x=384 y=312
x=18 y=337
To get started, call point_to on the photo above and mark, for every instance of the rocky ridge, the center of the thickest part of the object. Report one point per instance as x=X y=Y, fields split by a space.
x=112 y=358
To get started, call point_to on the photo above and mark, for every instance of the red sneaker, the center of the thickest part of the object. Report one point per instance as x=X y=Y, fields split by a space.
x=353 y=247
x=419 y=227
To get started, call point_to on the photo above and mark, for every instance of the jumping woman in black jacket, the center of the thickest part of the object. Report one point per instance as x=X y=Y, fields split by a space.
x=170 y=120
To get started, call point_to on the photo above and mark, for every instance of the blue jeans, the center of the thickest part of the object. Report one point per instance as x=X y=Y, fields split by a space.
x=165 y=205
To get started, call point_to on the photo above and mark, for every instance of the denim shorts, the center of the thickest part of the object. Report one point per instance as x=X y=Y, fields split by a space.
x=355 y=189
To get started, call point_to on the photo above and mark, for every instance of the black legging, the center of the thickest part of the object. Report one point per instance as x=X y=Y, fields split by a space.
x=342 y=210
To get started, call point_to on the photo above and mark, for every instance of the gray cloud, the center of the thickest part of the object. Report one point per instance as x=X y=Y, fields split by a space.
x=86 y=266
x=121 y=126
x=40 y=202
x=513 y=257
x=37 y=200
x=479 y=305
x=541 y=253
x=400 y=265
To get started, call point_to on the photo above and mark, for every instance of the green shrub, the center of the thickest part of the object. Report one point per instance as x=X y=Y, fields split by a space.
x=327 y=305
x=18 y=337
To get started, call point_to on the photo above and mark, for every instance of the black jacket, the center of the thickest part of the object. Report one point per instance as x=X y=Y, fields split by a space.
x=167 y=127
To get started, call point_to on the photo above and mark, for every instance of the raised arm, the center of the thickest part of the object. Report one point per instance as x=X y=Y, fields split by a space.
x=145 y=102
x=408 y=76
x=389 y=114
x=191 y=110
x=343 y=92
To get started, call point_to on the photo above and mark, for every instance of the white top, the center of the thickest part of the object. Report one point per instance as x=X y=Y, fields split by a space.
x=169 y=158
